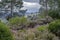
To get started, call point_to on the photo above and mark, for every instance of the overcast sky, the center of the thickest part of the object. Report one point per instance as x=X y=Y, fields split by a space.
x=0 y=0
x=31 y=5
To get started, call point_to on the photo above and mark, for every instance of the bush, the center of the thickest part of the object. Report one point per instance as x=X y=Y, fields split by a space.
x=31 y=24
x=5 y=33
x=42 y=28
x=54 y=14
x=18 y=22
x=55 y=27
x=33 y=34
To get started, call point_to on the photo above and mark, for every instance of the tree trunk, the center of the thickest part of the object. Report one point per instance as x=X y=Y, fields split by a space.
x=11 y=8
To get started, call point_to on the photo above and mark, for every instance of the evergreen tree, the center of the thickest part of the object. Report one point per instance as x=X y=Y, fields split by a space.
x=11 y=4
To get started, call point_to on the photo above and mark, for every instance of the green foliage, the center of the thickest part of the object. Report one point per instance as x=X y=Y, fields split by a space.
x=54 y=14
x=5 y=33
x=18 y=22
x=55 y=27
x=42 y=28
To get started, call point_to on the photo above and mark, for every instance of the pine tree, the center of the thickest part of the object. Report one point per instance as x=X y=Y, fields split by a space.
x=11 y=4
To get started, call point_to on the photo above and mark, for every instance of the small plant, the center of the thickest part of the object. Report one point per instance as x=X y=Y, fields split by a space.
x=5 y=33
x=55 y=27
x=42 y=28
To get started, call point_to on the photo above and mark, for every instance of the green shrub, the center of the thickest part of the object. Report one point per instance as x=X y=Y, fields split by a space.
x=18 y=22
x=5 y=33
x=42 y=28
x=54 y=14
x=55 y=27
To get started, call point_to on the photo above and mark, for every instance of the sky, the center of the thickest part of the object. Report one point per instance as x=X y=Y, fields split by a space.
x=31 y=5
x=0 y=0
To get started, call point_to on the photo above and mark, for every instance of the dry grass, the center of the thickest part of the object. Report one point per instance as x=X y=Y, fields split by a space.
x=34 y=34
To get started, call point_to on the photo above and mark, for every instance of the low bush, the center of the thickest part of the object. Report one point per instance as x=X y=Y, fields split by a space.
x=42 y=28
x=33 y=34
x=54 y=14
x=18 y=22
x=55 y=27
x=5 y=33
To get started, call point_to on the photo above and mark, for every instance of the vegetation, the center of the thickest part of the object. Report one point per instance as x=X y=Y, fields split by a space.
x=42 y=26
x=54 y=27
x=5 y=33
x=34 y=34
x=54 y=14
x=18 y=22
